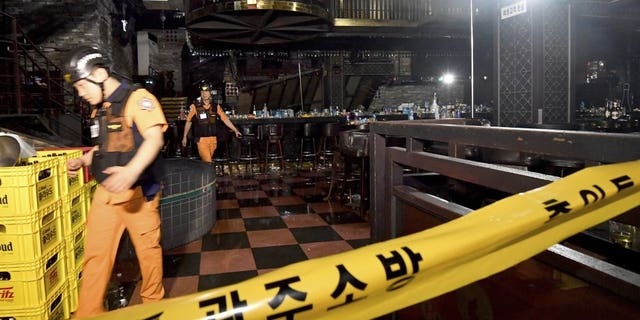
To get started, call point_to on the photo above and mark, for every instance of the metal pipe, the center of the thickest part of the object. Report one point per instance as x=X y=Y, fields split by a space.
x=386 y=10
x=570 y=62
x=392 y=6
x=414 y=10
x=372 y=10
x=352 y=11
x=350 y=5
x=355 y=9
x=367 y=12
x=473 y=107
x=16 y=65
x=301 y=94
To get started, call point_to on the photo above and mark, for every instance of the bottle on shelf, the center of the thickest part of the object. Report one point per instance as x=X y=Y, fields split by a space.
x=616 y=110
x=435 y=108
x=625 y=103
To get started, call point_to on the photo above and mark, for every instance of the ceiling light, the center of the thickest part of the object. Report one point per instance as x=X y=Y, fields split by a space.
x=447 y=78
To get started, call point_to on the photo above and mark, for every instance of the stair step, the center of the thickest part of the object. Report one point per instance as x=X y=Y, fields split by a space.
x=33 y=65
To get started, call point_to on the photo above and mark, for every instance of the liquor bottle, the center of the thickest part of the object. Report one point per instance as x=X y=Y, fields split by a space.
x=435 y=108
x=625 y=104
x=616 y=111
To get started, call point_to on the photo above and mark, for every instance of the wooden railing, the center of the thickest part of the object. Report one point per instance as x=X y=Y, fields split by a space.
x=447 y=168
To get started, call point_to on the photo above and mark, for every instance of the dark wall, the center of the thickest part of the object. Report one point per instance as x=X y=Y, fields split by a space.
x=618 y=49
x=533 y=64
x=59 y=26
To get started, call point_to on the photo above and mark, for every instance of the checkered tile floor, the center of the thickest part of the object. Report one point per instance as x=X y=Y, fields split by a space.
x=264 y=222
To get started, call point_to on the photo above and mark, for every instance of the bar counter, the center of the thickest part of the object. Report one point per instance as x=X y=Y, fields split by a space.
x=290 y=139
x=239 y=120
x=292 y=131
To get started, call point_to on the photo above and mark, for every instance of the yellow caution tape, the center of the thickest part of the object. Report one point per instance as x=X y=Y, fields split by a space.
x=379 y=278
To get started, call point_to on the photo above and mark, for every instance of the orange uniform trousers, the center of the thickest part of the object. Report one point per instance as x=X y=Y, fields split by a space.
x=206 y=147
x=107 y=219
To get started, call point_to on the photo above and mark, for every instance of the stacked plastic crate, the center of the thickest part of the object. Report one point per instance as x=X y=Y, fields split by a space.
x=74 y=215
x=33 y=277
x=89 y=190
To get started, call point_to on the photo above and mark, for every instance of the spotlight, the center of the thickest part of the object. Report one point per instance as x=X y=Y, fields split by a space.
x=447 y=78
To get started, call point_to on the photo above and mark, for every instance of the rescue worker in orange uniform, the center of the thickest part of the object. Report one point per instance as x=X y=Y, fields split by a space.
x=203 y=118
x=127 y=126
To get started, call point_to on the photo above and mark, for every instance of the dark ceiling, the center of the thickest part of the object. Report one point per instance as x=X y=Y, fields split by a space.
x=610 y=15
x=613 y=15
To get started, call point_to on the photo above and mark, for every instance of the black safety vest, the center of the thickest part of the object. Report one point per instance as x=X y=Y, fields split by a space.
x=204 y=121
x=118 y=143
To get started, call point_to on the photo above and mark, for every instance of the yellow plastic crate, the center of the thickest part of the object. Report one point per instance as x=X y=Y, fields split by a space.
x=74 y=211
x=31 y=284
x=87 y=173
x=67 y=184
x=75 y=250
x=54 y=308
x=24 y=240
x=77 y=275
x=27 y=187
x=74 y=289
x=73 y=296
x=90 y=189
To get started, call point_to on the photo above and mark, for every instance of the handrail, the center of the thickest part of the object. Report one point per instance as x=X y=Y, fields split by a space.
x=49 y=83
x=33 y=45
x=464 y=155
x=283 y=79
x=28 y=59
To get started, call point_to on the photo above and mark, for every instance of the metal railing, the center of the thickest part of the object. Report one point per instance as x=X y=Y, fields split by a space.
x=404 y=10
x=409 y=10
x=30 y=82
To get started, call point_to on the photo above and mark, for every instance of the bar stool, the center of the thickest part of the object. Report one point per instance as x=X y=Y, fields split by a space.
x=329 y=141
x=248 y=147
x=171 y=143
x=308 y=149
x=222 y=155
x=272 y=136
x=354 y=148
